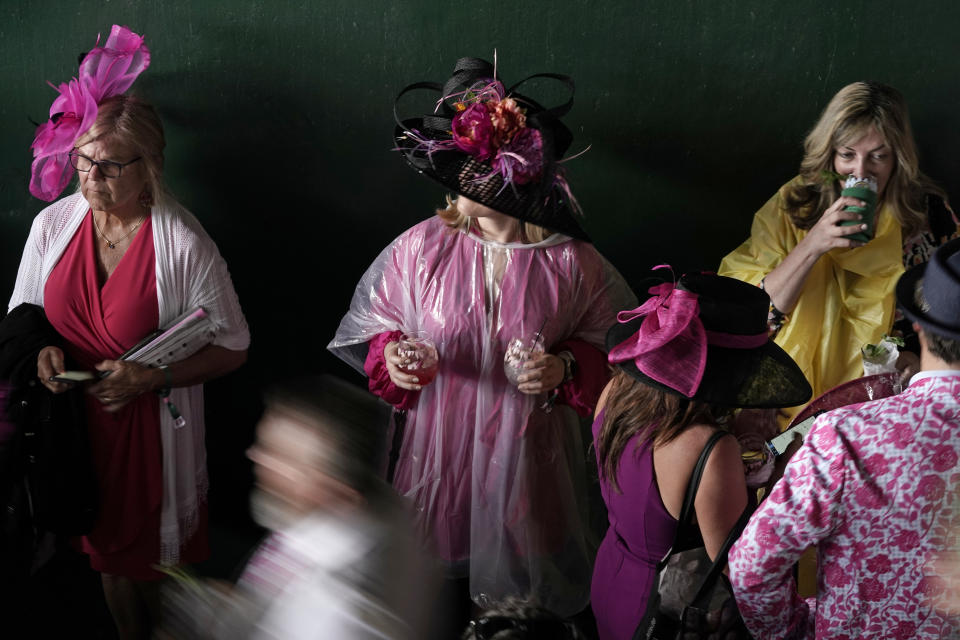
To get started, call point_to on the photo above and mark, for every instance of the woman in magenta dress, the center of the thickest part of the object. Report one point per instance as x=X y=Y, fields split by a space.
x=110 y=264
x=690 y=354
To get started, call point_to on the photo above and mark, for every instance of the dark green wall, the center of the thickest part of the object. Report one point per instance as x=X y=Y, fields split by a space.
x=278 y=119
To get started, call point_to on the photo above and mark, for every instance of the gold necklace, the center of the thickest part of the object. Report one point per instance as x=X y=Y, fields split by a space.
x=113 y=244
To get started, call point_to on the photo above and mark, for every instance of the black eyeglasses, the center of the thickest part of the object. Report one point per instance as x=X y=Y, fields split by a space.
x=108 y=168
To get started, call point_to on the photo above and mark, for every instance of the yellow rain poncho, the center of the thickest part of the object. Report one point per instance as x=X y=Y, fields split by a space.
x=847 y=300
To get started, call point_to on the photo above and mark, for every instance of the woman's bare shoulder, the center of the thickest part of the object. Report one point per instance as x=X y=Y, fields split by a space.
x=685 y=449
x=694 y=437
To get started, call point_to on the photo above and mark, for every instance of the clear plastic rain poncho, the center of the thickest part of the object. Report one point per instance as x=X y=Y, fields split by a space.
x=497 y=482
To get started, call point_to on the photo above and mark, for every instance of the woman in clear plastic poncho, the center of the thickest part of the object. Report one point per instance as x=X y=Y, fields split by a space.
x=495 y=471
x=831 y=294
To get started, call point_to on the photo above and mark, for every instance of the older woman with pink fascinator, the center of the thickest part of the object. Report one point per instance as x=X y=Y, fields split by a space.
x=691 y=353
x=109 y=265
x=516 y=302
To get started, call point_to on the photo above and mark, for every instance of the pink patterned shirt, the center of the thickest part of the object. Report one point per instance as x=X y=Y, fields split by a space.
x=874 y=487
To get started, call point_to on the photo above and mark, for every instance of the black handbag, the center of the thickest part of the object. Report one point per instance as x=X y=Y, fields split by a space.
x=691 y=598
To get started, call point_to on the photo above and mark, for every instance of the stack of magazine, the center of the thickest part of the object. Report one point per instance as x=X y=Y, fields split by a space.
x=182 y=338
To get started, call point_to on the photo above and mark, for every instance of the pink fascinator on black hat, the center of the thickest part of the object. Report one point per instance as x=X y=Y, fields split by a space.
x=494 y=145
x=704 y=337
x=104 y=72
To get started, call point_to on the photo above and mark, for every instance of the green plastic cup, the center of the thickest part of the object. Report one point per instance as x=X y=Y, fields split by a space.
x=862 y=190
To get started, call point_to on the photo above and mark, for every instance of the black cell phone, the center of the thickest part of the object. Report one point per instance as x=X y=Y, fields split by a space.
x=74 y=377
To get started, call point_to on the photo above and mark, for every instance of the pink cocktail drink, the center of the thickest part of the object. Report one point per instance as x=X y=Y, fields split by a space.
x=419 y=355
x=425 y=374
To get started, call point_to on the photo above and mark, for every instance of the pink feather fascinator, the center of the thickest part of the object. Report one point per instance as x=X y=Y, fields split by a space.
x=104 y=72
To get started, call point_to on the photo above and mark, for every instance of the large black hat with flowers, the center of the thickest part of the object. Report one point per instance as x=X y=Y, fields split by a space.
x=495 y=146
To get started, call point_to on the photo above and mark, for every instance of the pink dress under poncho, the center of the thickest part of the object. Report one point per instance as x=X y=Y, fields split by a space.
x=497 y=482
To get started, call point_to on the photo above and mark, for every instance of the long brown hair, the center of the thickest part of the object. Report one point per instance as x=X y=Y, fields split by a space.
x=846 y=119
x=634 y=407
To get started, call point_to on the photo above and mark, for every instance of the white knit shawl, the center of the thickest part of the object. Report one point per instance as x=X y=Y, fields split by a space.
x=190 y=273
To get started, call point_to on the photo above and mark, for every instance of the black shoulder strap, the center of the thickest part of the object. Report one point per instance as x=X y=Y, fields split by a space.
x=686 y=511
x=706 y=586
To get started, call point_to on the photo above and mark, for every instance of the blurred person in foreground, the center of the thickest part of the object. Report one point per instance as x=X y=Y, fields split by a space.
x=873 y=487
x=340 y=561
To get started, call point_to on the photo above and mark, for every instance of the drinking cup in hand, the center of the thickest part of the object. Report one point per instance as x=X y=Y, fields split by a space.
x=519 y=352
x=419 y=355
x=863 y=189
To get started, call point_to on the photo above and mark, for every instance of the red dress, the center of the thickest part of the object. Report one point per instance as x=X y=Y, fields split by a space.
x=100 y=323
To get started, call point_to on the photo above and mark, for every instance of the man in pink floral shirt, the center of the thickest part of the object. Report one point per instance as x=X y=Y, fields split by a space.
x=873 y=487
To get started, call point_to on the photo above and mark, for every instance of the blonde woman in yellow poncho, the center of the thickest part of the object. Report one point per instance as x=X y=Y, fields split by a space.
x=830 y=294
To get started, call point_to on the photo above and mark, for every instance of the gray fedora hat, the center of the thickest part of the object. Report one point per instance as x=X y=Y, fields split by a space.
x=938 y=308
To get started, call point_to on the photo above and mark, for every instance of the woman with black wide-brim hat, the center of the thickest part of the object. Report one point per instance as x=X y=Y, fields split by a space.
x=695 y=350
x=493 y=468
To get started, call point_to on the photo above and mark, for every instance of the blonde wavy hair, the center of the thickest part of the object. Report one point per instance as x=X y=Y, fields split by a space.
x=529 y=233
x=846 y=119
x=133 y=122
